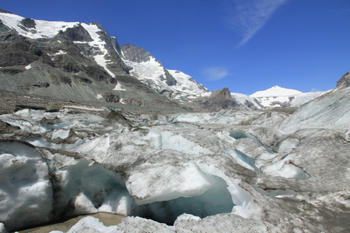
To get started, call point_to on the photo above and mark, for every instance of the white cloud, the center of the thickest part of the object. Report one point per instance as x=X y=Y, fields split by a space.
x=215 y=73
x=249 y=16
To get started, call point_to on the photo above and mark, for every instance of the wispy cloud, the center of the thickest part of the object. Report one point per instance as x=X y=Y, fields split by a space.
x=215 y=73
x=249 y=16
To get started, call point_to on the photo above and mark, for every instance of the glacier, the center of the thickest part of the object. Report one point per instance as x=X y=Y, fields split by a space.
x=174 y=172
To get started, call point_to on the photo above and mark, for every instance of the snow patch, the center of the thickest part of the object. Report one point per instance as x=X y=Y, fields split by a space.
x=2 y=228
x=43 y=29
x=119 y=87
x=97 y=42
x=60 y=52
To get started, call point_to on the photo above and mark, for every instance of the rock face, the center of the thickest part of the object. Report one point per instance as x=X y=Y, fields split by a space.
x=150 y=71
x=19 y=53
x=77 y=33
x=138 y=55
x=344 y=81
x=135 y=54
x=218 y=100
x=28 y=23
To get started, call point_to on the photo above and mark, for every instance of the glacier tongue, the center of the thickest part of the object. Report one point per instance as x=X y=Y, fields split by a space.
x=187 y=170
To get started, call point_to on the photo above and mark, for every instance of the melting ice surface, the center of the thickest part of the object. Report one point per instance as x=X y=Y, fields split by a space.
x=178 y=189
x=239 y=135
x=250 y=161
x=282 y=167
x=93 y=188
x=50 y=127
x=211 y=202
x=42 y=142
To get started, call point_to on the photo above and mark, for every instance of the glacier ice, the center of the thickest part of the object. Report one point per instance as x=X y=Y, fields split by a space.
x=238 y=135
x=329 y=111
x=96 y=189
x=185 y=223
x=25 y=186
x=187 y=170
x=211 y=202
x=92 y=225
x=42 y=142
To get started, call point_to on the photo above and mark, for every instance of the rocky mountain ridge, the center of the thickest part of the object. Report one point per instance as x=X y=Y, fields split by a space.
x=171 y=83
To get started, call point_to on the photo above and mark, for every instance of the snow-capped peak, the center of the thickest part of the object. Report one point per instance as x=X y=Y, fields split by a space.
x=277 y=97
x=43 y=29
x=276 y=91
x=49 y=29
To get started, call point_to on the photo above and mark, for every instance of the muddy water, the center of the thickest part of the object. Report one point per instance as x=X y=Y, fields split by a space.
x=64 y=225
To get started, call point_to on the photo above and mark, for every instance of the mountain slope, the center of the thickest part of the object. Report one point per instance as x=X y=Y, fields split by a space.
x=69 y=61
x=150 y=71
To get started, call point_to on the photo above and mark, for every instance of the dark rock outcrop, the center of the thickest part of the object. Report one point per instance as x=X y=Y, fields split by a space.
x=28 y=23
x=77 y=33
x=5 y=11
x=218 y=100
x=111 y=98
x=135 y=53
x=20 y=52
x=344 y=81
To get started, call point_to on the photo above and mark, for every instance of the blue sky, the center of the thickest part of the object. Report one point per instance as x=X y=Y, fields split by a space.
x=245 y=45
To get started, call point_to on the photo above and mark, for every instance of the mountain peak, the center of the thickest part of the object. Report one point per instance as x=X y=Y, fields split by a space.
x=344 y=81
x=5 y=11
x=276 y=91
